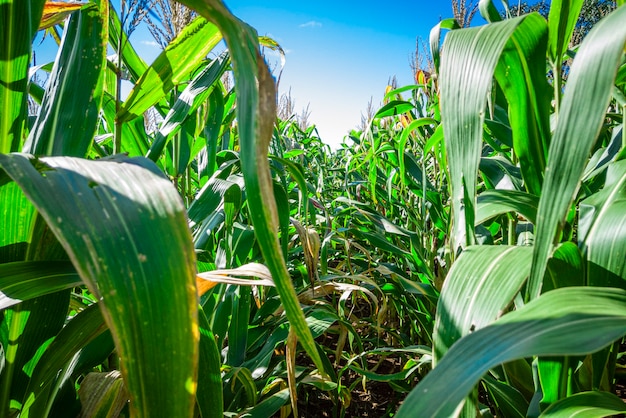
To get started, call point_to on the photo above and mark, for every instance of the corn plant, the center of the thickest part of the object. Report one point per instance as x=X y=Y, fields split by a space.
x=123 y=275
x=563 y=298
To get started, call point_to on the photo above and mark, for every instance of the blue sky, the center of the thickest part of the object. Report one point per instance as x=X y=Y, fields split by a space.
x=339 y=54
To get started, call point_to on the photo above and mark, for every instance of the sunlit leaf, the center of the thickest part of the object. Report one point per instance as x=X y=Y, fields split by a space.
x=55 y=12
x=463 y=103
x=20 y=19
x=82 y=56
x=173 y=66
x=256 y=110
x=582 y=114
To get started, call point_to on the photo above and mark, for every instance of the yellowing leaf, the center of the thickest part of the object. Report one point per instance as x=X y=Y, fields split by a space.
x=55 y=12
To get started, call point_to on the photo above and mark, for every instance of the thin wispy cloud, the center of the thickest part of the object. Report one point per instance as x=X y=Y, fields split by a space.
x=150 y=43
x=311 y=24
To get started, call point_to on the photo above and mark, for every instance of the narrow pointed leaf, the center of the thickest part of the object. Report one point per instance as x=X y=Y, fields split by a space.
x=79 y=331
x=82 y=59
x=30 y=326
x=256 y=112
x=111 y=217
x=602 y=229
x=173 y=66
x=188 y=102
x=55 y=12
x=562 y=20
x=20 y=20
x=210 y=396
x=488 y=11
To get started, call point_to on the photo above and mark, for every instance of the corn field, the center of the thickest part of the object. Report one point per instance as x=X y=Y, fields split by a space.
x=183 y=252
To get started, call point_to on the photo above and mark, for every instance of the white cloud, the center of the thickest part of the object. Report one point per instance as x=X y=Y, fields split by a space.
x=150 y=43
x=311 y=24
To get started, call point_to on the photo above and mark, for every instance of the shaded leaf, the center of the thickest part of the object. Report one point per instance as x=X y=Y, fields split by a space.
x=568 y=321
x=101 y=210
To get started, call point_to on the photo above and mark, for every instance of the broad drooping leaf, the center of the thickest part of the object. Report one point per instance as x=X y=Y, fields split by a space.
x=586 y=98
x=480 y=286
x=566 y=321
x=521 y=73
x=256 y=111
x=463 y=104
x=124 y=227
x=602 y=230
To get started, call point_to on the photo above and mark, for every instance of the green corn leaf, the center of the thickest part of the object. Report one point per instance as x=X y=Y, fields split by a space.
x=187 y=103
x=435 y=39
x=478 y=289
x=211 y=132
x=491 y=203
x=256 y=111
x=79 y=331
x=404 y=137
x=173 y=66
x=30 y=327
x=239 y=324
x=521 y=73
x=562 y=20
x=103 y=394
x=463 y=104
x=602 y=227
x=269 y=406
x=82 y=56
x=210 y=396
x=509 y=401
x=586 y=405
x=567 y=321
x=25 y=280
x=488 y=11
x=18 y=216
x=497 y=172
x=209 y=198
x=135 y=141
x=111 y=217
x=297 y=173
x=582 y=114
x=394 y=107
x=20 y=20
